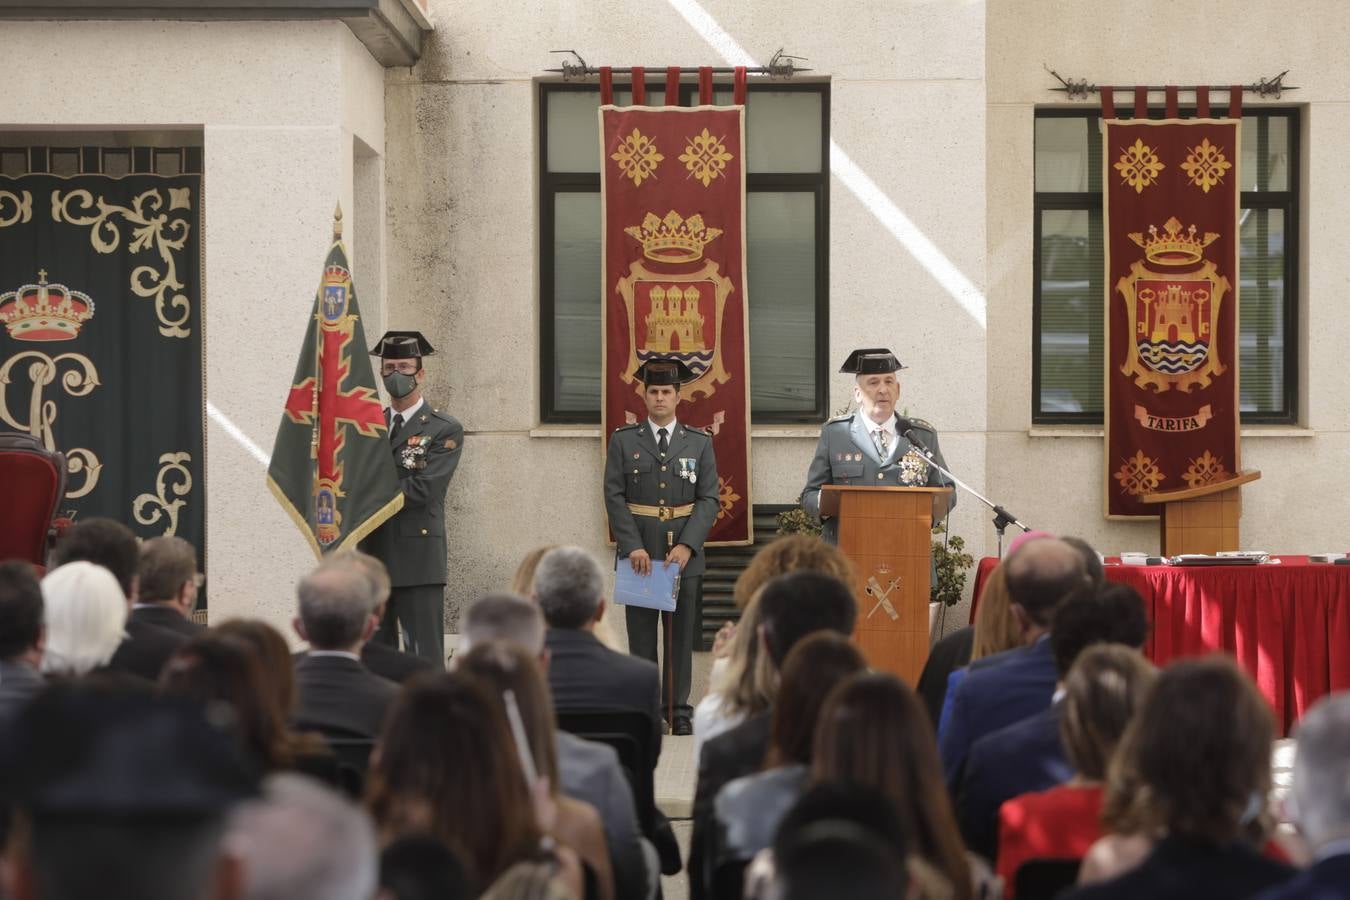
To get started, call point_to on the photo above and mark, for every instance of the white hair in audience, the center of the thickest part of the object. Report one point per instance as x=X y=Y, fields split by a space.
x=569 y=586
x=86 y=615
x=302 y=841
x=1321 y=783
x=503 y=617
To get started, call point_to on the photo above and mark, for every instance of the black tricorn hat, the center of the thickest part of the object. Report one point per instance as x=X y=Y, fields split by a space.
x=871 y=361
x=664 y=370
x=402 y=345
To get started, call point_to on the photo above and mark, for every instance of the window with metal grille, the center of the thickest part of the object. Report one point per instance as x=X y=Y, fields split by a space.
x=97 y=160
x=787 y=234
x=1069 y=294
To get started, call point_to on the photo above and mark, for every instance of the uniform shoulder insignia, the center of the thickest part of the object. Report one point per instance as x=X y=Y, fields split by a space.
x=695 y=430
x=629 y=427
x=922 y=423
x=842 y=417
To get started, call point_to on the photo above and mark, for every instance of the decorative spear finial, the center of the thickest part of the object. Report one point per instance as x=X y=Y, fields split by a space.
x=337 y=222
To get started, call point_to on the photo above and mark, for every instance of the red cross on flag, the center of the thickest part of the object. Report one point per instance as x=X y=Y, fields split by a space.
x=331 y=468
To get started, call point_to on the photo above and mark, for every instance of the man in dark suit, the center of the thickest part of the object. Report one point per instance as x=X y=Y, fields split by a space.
x=112 y=545
x=167 y=584
x=382 y=659
x=587 y=771
x=1028 y=755
x=336 y=694
x=791 y=607
x=583 y=673
x=21 y=635
x=426 y=444
x=1041 y=573
x=1319 y=802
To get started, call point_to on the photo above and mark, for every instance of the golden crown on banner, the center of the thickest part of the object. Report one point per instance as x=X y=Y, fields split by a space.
x=673 y=239
x=1173 y=247
x=45 y=312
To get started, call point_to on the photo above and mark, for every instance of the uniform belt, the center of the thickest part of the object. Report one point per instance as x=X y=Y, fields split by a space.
x=662 y=512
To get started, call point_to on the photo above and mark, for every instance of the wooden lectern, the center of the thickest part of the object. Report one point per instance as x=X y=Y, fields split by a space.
x=886 y=532
x=1201 y=519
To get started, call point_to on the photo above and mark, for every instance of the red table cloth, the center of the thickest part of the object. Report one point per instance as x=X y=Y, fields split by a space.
x=1286 y=623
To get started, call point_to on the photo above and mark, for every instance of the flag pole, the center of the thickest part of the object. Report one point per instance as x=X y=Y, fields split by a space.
x=318 y=348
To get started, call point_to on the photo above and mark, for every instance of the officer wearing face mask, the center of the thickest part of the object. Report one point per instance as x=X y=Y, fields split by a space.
x=426 y=444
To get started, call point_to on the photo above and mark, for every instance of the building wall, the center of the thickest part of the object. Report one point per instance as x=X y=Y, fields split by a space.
x=906 y=230
x=281 y=106
x=1052 y=475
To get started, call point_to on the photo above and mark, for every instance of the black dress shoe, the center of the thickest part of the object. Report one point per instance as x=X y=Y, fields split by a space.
x=683 y=727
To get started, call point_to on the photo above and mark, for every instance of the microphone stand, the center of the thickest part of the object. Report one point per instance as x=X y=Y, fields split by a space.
x=1002 y=518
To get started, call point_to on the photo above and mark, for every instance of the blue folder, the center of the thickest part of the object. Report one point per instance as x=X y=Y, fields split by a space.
x=655 y=591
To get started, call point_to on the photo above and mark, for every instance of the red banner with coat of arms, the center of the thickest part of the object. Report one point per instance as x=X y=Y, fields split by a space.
x=673 y=191
x=1171 y=194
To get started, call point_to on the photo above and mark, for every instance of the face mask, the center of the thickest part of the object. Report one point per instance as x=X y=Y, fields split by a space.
x=399 y=385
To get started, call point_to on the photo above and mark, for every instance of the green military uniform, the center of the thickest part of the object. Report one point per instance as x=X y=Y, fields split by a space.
x=411 y=544
x=846 y=454
x=849 y=453
x=684 y=480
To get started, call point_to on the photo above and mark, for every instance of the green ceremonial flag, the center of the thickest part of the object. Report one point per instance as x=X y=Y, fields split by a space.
x=331 y=467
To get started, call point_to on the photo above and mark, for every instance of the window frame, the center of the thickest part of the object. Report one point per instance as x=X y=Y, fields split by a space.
x=553 y=183
x=1287 y=201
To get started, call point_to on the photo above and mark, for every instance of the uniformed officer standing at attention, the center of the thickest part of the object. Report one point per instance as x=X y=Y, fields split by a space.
x=661 y=496
x=426 y=444
x=869 y=447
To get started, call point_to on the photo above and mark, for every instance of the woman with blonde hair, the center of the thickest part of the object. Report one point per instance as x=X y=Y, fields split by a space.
x=85 y=613
x=743 y=680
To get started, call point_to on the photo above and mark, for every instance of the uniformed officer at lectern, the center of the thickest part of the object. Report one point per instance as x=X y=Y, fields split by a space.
x=661 y=498
x=870 y=446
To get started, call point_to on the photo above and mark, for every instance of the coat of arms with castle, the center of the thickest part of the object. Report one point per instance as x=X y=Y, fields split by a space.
x=674 y=306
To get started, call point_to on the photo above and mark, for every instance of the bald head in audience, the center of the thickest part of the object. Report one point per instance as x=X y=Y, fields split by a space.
x=503 y=617
x=1041 y=573
x=335 y=607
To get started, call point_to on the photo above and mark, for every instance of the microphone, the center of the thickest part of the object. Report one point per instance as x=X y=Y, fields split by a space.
x=909 y=435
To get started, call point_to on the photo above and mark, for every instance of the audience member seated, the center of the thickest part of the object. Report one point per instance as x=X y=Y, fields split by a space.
x=583 y=673
x=124 y=795
x=875 y=734
x=742 y=680
x=1190 y=781
x=1102 y=692
x=1040 y=574
x=85 y=615
x=272 y=653
x=748 y=810
x=522 y=583
x=383 y=660
x=112 y=545
x=21 y=638
x=420 y=867
x=732 y=700
x=1319 y=802
x=1029 y=755
x=854 y=816
x=221 y=671
x=302 y=841
x=166 y=585
x=995 y=630
x=504 y=667
x=791 y=607
x=447 y=766
x=587 y=770
x=337 y=695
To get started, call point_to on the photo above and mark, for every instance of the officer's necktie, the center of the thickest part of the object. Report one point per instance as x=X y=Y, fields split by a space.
x=395 y=426
x=883 y=445
x=661 y=443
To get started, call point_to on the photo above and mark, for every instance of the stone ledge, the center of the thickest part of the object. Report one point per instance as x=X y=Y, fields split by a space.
x=391 y=33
